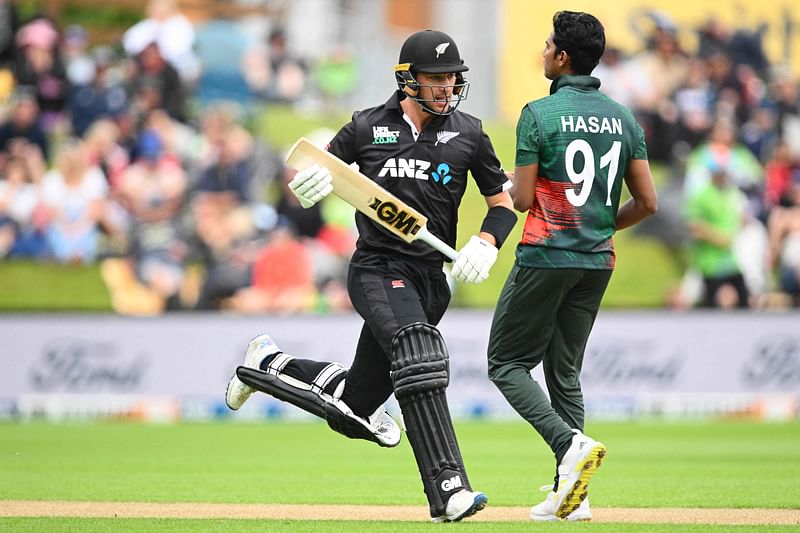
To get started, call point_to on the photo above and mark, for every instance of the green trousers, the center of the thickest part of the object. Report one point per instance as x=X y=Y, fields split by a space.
x=545 y=316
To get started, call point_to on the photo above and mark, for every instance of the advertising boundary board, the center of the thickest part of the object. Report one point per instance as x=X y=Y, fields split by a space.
x=176 y=366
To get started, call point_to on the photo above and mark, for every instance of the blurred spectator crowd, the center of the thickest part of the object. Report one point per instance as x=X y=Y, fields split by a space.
x=102 y=159
x=725 y=123
x=138 y=156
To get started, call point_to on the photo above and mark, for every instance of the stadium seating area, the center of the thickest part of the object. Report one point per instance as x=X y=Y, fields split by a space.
x=134 y=155
x=140 y=156
x=723 y=119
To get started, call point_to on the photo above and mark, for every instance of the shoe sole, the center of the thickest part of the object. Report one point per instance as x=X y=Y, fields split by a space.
x=228 y=388
x=251 y=347
x=580 y=489
x=554 y=518
x=577 y=516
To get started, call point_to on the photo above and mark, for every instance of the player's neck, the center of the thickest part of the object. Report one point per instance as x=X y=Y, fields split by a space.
x=415 y=113
x=565 y=71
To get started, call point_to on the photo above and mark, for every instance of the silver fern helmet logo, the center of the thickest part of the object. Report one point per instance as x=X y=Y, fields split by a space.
x=444 y=136
x=440 y=49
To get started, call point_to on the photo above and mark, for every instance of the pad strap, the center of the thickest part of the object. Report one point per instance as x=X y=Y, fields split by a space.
x=278 y=363
x=328 y=374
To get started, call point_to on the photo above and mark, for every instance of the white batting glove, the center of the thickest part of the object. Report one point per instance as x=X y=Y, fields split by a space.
x=312 y=185
x=474 y=261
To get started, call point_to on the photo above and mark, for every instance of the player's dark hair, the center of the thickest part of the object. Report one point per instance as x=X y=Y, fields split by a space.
x=582 y=37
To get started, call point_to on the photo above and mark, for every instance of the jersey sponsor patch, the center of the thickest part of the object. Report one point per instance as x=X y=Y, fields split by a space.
x=401 y=167
x=383 y=135
x=398 y=284
x=442 y=174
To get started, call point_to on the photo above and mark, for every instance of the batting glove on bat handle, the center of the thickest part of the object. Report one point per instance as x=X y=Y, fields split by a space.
x=312 y=185
x=474 y=261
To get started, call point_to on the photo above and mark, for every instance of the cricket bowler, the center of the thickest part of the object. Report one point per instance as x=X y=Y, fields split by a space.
x=575 y=148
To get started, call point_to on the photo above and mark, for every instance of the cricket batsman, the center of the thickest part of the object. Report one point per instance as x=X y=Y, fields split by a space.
x=420 y=147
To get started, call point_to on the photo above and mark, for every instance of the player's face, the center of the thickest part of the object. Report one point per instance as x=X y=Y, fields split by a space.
x=437 y=89
x=551 y=67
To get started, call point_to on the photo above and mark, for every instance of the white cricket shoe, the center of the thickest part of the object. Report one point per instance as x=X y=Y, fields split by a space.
x=462 y=504
x=583 y=458
x=546 y=510
x=384 y=428
x=259 y=348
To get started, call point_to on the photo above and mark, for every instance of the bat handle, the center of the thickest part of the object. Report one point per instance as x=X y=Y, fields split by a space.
x=436 y=243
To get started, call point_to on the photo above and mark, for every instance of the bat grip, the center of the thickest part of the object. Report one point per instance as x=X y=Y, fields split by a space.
x=434 y=242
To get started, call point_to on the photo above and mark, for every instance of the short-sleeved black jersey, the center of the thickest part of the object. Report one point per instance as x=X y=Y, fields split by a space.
x=429 y=173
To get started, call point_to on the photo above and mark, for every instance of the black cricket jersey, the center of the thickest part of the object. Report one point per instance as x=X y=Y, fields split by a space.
x=429 y=173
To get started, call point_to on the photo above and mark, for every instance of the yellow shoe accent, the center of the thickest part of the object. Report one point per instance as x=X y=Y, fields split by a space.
x=580 y=489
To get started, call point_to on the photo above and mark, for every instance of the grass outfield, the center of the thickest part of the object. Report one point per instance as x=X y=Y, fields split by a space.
x=740 y=465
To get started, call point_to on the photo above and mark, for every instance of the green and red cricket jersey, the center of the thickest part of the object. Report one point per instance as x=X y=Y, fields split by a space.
x=583 y=142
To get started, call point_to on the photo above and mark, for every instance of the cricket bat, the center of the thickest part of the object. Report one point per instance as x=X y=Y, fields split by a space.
x=368 y=197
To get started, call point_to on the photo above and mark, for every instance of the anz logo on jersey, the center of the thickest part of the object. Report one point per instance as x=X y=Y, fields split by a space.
x=400 y=167
x=442 y=174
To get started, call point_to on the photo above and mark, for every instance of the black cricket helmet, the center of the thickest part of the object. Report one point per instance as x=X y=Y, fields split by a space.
x=431 y=52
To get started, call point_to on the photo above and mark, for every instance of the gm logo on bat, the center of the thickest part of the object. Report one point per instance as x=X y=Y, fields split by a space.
x=396 y=217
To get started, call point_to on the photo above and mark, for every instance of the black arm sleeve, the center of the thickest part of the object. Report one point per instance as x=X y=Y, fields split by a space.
x=499 y=222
